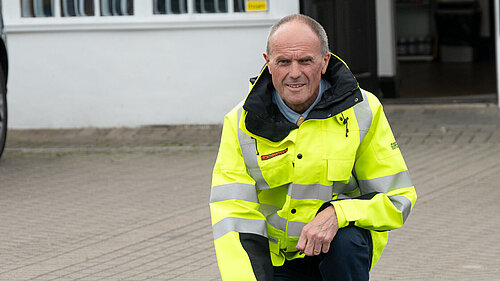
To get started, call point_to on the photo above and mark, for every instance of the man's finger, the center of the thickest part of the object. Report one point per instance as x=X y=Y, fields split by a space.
x=309 y=249
x=326 y=246
x=317 y=248
x=301 y=244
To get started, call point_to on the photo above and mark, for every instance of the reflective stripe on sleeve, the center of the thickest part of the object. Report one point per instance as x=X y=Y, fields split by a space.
x=249 y=152
x=364 y=116
x=339 y=187
x=386 y=184
x=403 y=204
x=240 y=225
x=239 y=191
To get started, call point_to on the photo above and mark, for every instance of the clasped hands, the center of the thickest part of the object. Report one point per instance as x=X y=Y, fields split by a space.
x=317 y=235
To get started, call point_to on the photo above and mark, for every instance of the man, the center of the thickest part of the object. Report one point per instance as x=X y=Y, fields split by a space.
x=309 y=177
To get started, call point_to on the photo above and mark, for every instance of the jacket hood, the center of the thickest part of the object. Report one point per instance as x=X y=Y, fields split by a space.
x=264 y=119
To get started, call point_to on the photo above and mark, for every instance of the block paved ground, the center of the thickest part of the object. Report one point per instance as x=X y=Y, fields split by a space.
x=132 y=203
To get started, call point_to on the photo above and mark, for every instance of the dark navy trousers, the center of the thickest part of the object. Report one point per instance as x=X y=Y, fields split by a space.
x=349 y=258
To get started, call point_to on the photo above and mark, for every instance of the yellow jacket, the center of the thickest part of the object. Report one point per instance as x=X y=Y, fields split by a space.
x=271 y=177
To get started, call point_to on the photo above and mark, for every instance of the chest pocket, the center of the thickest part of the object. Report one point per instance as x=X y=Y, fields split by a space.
x=339 y=170
x=277 y=170
x=268 y=170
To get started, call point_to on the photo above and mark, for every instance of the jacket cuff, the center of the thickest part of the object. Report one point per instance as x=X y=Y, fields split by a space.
x=341 y=219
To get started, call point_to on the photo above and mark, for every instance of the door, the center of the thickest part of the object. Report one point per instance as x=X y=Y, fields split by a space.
x=351 y=29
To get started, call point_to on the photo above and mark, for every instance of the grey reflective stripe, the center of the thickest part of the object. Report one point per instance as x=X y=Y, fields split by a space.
x=267 y=209
x=239 y=191
x=294 y=228
x=272 y=239
x=277 y=222
x=343 y=196
x=339 y=187
x=403 y=204
x=313 y=191
x=364 y=116
x=249 y=152
x=386 y=184
x=239 y=225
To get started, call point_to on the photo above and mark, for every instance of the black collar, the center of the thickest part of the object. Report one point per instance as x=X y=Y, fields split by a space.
x=264 y=118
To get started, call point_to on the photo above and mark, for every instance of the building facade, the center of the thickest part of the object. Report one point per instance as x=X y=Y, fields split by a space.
x=80 y=63
x=108 y=63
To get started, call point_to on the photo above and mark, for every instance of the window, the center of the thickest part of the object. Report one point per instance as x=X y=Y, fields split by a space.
x=72 y=8
x=210 y=6
x=117 y=7
x=239 y=6
x=170 y=7
x=36 y=8
x=75 y=8
x=200 y=6
x=82 y=8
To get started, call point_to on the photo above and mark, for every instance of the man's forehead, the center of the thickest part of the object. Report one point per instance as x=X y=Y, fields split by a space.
x=296 y=51
x=295 y=28
x=293 y=37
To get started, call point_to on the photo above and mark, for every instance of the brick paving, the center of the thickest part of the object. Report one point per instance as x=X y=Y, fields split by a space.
x=132 y=203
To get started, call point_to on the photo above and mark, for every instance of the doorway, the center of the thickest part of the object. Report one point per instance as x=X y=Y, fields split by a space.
x=446 y=51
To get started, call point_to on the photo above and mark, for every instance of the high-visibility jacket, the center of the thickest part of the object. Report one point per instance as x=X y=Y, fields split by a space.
x=271 y=177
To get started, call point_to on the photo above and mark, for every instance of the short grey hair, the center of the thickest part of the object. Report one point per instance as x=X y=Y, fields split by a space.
x=313 y=24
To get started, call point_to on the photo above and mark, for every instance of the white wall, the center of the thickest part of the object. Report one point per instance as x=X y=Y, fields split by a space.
x=132 y=71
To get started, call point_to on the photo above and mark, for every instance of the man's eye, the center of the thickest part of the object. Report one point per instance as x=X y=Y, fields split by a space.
x=283 y=61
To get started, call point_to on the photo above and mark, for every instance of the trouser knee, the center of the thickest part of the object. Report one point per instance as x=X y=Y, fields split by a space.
x=349 y=257
x=351 y=240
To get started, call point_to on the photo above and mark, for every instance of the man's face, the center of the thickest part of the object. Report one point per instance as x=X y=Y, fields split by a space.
x=296 y=64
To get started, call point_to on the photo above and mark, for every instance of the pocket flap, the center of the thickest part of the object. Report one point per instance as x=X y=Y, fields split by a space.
x=340 y=169
x=278 y=174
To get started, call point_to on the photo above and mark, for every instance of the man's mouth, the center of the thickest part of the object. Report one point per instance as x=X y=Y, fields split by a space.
x=295 y=86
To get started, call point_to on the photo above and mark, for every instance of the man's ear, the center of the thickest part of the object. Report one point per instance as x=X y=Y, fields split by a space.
x=268 y=59
x=326 y=60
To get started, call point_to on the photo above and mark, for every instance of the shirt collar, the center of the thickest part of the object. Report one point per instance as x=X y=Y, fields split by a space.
x=293 y=116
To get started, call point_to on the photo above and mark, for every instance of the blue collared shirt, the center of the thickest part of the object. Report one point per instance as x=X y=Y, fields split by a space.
x=293 y=116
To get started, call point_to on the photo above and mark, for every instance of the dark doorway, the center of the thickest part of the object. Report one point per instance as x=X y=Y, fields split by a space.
x=351 y=29
x=446 y=51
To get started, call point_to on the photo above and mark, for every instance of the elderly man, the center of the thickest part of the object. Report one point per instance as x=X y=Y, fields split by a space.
x=309 y=178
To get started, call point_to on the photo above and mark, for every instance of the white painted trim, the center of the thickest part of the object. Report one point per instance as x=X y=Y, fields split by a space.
x=230 y=6
x=57 y=8
x=386 y=38
x=135 y=23
x=497 y=45
x=97 y=8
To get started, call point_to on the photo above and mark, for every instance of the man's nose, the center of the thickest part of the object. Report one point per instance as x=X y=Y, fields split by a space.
x=295 y=71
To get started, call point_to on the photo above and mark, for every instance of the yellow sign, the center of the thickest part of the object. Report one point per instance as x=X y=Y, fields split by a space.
x=256 y=6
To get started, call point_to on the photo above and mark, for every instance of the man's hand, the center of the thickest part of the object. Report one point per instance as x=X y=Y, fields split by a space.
x=317 y=235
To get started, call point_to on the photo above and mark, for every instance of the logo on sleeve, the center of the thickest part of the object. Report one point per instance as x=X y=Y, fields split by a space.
x=274 y=154
x=394 y=145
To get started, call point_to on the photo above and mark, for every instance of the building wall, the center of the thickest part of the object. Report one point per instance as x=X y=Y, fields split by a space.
x=131 y=71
